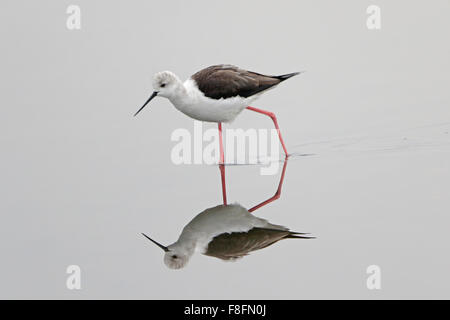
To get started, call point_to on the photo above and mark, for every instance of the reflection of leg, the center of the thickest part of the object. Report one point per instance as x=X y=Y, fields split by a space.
x=276 y=195
x=224 y=187
x=274 y=119
x=222 y=156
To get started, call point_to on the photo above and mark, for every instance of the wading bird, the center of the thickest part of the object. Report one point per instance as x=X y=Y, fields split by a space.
x=217 y=94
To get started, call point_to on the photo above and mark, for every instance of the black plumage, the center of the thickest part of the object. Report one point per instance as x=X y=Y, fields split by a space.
x=226 y=81
x=234 y=245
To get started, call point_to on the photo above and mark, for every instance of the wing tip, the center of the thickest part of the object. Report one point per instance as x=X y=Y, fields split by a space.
x=288 y=75
x=299 y=235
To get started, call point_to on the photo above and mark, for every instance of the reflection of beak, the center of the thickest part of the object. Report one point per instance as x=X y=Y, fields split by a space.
x=154 y=94
x=158 y=244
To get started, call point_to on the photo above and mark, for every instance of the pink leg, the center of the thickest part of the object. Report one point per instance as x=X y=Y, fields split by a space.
x=222 y=156
x=276 y=195
x=274 y=119
x=222 y=166
x=224 y=187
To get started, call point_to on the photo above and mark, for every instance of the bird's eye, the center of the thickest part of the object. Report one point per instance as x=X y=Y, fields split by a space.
x=174 y=256
x=163 y=85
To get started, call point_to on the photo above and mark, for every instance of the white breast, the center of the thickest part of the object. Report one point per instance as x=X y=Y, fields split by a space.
x=196 y=105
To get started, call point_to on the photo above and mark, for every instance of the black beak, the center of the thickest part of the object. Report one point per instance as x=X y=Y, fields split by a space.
x=158 y=244
x=154 y=94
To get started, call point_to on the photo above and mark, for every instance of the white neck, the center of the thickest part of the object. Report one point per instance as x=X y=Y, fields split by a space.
x=185 y=245
x=181 y=95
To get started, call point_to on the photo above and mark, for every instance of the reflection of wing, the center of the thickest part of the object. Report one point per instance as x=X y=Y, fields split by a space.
x=230 y=246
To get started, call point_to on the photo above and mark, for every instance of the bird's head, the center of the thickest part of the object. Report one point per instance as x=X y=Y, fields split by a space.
x=165 y=84
x=175 y=257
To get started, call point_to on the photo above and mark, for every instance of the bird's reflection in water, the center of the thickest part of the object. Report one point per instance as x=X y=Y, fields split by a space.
x=227 y=232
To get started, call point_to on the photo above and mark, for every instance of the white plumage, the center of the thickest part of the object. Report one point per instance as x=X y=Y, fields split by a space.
x=192 y=102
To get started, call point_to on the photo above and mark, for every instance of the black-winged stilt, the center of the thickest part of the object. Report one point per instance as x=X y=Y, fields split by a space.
x=217 y=94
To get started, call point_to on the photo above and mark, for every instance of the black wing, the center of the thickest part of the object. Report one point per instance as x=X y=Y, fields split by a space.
x=229 y=246
x=226 y=81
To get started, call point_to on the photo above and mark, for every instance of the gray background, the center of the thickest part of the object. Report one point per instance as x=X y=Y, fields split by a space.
x=81 y=178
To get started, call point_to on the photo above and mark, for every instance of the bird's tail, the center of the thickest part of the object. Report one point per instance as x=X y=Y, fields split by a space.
x=287 y=76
